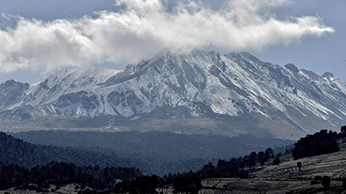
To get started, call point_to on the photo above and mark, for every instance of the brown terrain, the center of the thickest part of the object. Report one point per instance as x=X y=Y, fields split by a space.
x=286 y=177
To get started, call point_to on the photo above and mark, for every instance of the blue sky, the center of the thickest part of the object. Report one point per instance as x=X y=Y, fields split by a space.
x=318 y=52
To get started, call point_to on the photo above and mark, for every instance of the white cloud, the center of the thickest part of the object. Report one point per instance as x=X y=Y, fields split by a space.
x=143 y=28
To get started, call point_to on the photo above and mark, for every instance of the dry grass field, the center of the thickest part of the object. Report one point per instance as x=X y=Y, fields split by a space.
x=68 y=189
x=286 y=177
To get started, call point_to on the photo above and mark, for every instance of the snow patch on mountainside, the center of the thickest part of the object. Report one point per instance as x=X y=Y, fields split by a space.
x=198 y=84
x=65 y=82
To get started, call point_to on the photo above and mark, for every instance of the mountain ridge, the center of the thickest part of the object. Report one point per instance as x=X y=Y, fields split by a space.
x=198 y=85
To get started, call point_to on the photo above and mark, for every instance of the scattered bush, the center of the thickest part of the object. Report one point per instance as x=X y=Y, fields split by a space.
x=318 y=178
x=276 y=161
x=243 y=174
x=143 y=184
x=326 y=181
x=314 y=182
x=299 y=165
x=343 y=129
x=188 y=183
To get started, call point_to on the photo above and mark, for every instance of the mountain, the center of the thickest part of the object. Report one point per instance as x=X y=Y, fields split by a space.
x=200 y=92
x=12 y=93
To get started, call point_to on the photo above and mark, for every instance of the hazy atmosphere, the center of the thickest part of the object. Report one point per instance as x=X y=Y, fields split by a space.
x=172 y=96
x=42 y=36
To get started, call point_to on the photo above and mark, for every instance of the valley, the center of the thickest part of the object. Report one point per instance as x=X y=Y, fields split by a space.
x=268 y=171
x=172 y=97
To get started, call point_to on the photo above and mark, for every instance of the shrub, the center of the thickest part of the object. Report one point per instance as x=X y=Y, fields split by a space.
x=299 y=165
x=318 y=178
x=243 y=174
x=343 y=129
x=314 y=182
x=276 y=161
x=326 y=181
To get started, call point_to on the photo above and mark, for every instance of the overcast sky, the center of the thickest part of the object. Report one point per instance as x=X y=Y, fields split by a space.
x=38 y=37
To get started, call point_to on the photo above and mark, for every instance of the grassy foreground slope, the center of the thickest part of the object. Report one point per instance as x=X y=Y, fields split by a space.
x=287 y=178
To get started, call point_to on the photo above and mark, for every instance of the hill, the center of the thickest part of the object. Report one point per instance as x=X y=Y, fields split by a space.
x=254 y=173
x=261 y=172
x=153 y=153
x=287 y=178
x=19 y=152
x=155 y=145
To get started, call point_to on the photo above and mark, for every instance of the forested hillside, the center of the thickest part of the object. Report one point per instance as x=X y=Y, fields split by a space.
x=104 y=179
x=41 y=177
x=156 y=145
x=19 y=152
x=245 y=167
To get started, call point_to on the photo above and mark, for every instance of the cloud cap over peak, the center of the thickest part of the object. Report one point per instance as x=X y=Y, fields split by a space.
x=144 y=27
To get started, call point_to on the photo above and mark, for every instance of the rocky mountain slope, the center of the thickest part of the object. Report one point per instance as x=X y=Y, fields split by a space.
x=227 y=94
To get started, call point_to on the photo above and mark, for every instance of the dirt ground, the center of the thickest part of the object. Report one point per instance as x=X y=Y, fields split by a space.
x=68 y=189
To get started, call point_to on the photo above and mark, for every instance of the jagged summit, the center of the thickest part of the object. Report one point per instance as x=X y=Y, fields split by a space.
x=292 y=67
x=328 y=75
x=65 y=82
x=236 y=87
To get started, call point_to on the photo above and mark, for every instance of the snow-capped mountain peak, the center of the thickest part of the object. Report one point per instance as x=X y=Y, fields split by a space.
x=197 y=85
x=66 y=81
